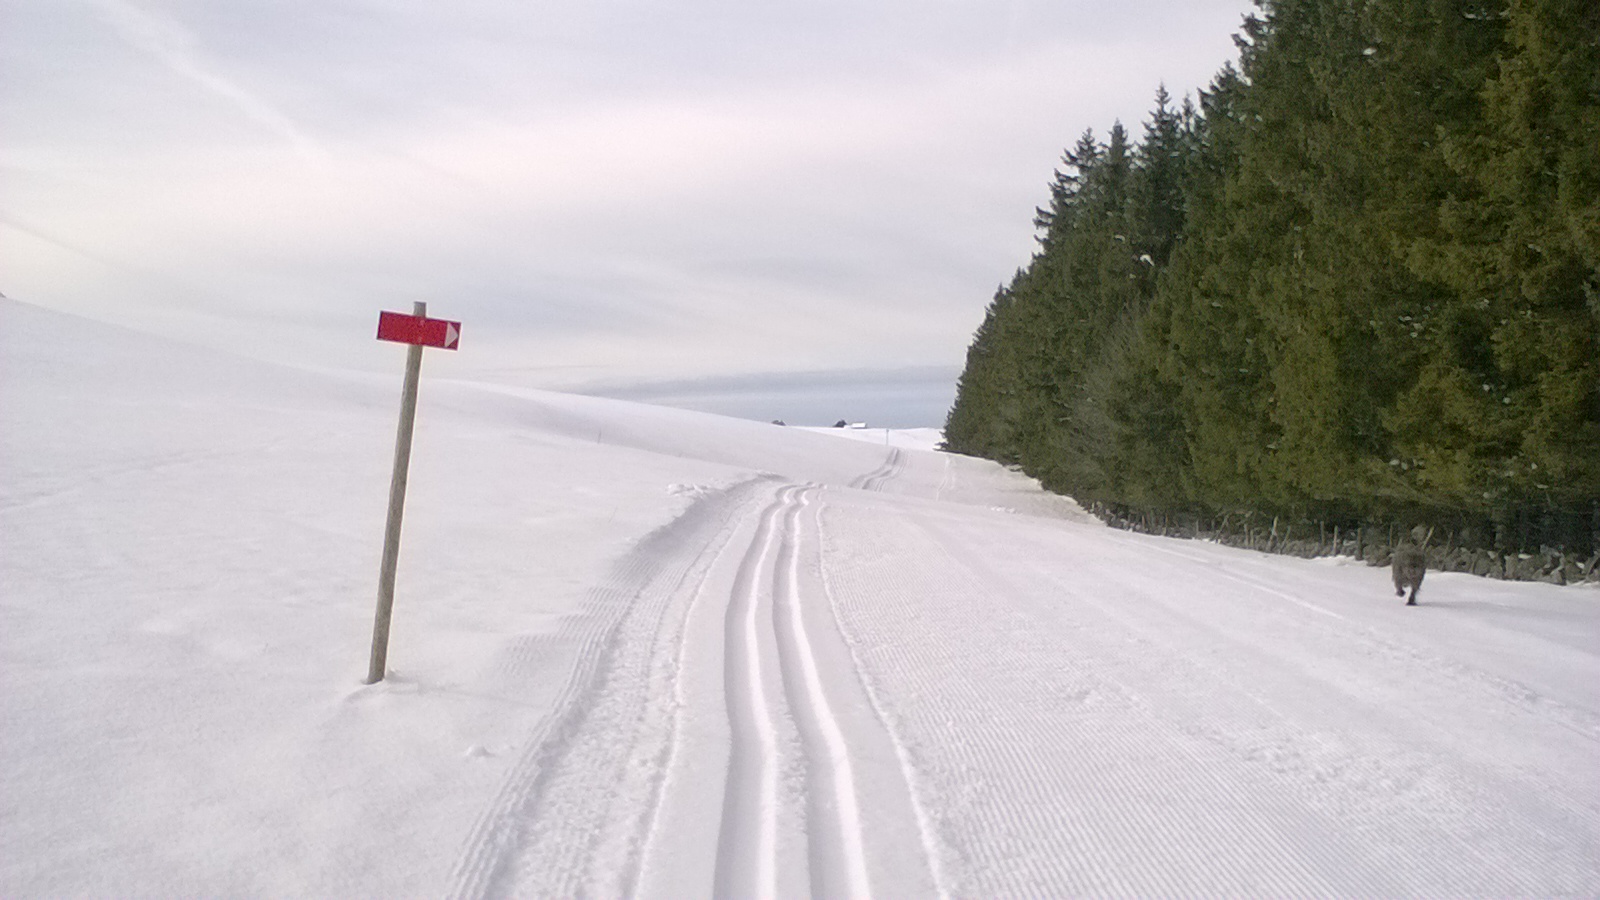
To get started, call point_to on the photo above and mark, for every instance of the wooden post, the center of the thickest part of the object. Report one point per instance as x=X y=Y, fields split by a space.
x=397 y=502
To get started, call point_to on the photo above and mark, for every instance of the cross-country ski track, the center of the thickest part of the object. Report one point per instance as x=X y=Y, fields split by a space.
x=1030 y=710
x=653 y=653
x=751 y=738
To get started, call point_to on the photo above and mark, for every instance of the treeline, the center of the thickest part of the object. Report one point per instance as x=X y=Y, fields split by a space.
x=1356 y=284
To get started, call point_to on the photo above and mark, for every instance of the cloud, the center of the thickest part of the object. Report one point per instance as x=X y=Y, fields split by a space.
x=175 y=48
x=605 y=191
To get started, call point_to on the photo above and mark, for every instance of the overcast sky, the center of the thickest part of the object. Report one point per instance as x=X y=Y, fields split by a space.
x=706 y=202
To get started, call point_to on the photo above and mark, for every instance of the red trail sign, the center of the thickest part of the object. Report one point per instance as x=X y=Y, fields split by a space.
x=404 y=329
x=419 y=331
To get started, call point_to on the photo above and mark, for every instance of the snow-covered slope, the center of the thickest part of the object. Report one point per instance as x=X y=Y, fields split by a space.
x=648 y=651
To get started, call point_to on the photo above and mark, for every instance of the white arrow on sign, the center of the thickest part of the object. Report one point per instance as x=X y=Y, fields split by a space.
x=450 y=335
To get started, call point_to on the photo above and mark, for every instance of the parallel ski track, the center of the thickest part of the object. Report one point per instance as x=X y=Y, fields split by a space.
x=892 y=466
x=833 y=818
x=578 y=810
x=747 y=855
x=747 y=846
x=541 y=833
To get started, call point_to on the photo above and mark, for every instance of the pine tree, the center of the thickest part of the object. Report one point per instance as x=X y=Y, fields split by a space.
x=1521 y=245
x=1359 y=282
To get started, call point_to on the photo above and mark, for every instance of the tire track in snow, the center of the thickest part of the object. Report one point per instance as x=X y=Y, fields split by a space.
x=525 y=841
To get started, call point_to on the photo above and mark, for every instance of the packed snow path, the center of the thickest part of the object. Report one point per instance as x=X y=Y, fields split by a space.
x=872 y=695
x=648 y=652
x=730 y=698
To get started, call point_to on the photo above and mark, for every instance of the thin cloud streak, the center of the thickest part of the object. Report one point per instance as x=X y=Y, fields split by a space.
x=174 y=47
x=698 y=195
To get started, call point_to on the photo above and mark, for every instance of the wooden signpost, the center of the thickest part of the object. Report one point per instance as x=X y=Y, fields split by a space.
x=419 y=331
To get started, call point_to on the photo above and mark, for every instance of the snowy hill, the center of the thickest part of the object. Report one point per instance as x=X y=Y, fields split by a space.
x=647 y=651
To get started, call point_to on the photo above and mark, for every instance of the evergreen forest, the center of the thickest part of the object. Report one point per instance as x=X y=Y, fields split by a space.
x=1354 y=283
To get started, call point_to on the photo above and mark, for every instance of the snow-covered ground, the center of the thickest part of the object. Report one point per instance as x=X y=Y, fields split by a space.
x=646 y=651
x=905 y=438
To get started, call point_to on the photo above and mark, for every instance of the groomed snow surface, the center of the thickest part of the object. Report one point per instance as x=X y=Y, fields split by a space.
x=642 y=651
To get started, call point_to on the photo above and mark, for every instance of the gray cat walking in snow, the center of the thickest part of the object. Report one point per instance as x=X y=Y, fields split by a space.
x=1410 y=564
